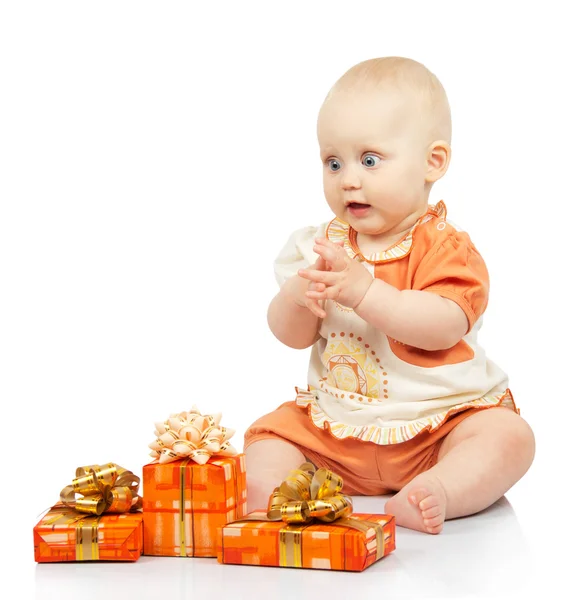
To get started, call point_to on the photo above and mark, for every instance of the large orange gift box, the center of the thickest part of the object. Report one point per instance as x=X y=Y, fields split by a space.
x=196 y=485
x=97 y=526
x=309 y=524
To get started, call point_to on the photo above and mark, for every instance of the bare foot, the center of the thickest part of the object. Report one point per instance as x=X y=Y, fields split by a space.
x=420 y=505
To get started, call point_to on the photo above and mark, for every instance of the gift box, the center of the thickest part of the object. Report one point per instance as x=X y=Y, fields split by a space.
x=98 y=524
x=196 y=485
x=64 y=535
x=318 y=546
x=309 y=524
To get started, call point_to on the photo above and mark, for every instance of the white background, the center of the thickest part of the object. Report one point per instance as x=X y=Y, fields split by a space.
x=154 y=158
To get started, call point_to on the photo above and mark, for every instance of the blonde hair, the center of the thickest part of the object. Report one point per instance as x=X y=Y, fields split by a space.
x=406 y=75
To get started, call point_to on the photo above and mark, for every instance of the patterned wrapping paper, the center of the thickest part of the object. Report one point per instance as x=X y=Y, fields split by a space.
x=185 y=503
x=317 y=546
x=63 y=535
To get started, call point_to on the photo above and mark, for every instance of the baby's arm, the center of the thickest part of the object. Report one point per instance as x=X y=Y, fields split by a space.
x=421 y=319
x=289 y=316
x=294 y=318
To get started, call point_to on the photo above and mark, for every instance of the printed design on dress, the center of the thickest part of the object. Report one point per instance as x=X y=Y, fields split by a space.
x=348 y=374
x=353 y=367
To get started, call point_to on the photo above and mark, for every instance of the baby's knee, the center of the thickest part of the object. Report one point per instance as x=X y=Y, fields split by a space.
x=520 y=441
x=512 y=436
x=270 y=460
x=271 y=457
x=268 y=463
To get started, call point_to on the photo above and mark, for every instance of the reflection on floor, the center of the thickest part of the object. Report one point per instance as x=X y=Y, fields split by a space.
x=481 y=556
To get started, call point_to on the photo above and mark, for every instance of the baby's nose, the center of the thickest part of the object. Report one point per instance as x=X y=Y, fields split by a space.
x=350 y=179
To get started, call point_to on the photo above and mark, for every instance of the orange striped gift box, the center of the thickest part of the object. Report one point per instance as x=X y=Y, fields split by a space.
x=185 y=503
x=64 y=534
x=350 y=544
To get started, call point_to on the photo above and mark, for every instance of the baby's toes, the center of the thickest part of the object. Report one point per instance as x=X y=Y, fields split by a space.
x=429 y=502
x=434 y=525
x=419 y=496
x=429 y=513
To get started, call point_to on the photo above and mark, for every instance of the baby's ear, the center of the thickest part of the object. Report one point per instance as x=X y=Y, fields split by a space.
x=437 y=160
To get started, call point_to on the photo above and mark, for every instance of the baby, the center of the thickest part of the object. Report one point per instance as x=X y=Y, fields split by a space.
x=390 y=295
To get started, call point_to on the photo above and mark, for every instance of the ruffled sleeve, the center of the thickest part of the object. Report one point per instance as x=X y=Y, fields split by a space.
x=456 y=270
x=297 y=253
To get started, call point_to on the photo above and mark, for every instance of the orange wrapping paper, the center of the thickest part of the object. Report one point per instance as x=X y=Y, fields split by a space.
x=63 y=534
x=318 y=546
x=212 y=495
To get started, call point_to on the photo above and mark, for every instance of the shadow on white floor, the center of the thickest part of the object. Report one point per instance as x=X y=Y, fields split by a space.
x=485 y=556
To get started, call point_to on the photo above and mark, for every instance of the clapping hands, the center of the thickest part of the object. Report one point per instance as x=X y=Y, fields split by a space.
x=334 y=276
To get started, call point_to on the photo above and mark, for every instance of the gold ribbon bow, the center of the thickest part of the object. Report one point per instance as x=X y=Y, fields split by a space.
x=192 y=435
x=108 y=488
x=307 y=494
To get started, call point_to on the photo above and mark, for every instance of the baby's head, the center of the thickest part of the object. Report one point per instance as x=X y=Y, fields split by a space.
x=384 y=134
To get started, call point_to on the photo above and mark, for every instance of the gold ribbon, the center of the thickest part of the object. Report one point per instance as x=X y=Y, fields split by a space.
x=103 y=489
x=182 y=504
x=182 y=510
x=86 y=543
x=307 y=495
x=191 y=435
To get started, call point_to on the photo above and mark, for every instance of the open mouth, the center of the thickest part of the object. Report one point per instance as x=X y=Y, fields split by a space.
x=358 y=209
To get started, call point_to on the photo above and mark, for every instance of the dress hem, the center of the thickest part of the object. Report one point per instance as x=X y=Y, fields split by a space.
x=385 y=436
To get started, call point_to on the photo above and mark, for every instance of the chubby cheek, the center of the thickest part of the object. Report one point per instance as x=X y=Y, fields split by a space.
x=383 y=194
x=333 y=197
x=413 y=179
x=394 y=190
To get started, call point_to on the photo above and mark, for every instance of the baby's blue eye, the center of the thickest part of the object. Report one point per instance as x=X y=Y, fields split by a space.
x=370 y=160
x=334 y=164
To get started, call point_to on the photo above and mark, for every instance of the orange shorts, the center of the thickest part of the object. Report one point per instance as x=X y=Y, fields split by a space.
x=368 y=469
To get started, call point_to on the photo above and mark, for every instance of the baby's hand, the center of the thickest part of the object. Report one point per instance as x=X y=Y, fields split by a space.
x=314 y=305
x=346 y=280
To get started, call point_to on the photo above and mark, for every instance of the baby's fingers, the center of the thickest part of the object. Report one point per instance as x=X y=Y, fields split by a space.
x=330 y=293
x=314 y=307
x=316 y=287
x=326 y=277
x=333 y=254
x=320 y=264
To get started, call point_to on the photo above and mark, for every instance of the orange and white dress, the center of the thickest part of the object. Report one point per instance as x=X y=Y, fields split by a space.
x=365 y=385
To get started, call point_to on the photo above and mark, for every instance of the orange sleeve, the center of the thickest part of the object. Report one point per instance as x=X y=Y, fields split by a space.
x=455 y=270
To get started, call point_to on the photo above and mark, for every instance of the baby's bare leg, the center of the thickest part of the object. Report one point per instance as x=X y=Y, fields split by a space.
x=478 y=462
x=268 y=463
